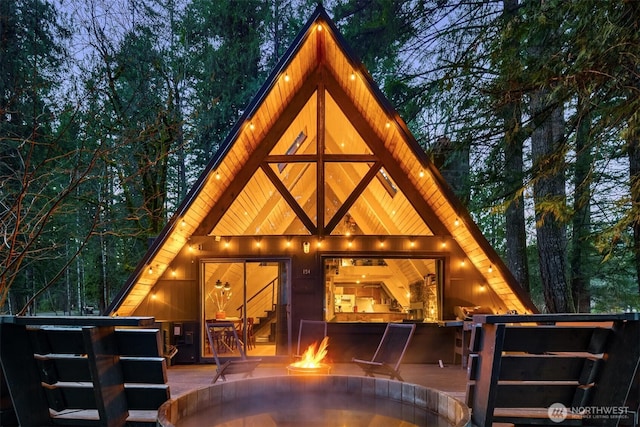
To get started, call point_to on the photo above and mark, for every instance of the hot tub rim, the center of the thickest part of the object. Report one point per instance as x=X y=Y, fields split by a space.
x=455 y=412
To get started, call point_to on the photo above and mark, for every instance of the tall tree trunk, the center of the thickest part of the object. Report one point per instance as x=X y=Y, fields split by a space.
x=516 y=237
x=550 y=199
x=67 y=281
x=633 y=144
x=580 y=269
x=511 y=113
x=79 y=286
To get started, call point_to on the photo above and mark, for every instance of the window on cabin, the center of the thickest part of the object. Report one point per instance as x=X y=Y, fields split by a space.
x=367 y=289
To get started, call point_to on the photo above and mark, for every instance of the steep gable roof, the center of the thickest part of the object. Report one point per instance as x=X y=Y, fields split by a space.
x=245 y=172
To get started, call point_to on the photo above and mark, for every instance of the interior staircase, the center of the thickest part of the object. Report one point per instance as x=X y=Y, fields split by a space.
x=264 y=327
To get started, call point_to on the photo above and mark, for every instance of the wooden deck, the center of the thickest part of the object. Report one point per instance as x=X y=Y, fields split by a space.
x=450 y=379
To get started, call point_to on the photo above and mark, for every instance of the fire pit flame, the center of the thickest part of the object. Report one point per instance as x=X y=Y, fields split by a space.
x=312 y=358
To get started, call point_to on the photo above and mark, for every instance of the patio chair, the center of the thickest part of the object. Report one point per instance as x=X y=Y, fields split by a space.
x=237 y=362
x=310 y=332
x=388 y=356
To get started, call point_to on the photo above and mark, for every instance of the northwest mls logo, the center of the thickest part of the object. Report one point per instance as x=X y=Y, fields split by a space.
x=557 y=412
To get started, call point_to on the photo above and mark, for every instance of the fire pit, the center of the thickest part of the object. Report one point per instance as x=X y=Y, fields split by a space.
x=311 y=361
x=319 y=369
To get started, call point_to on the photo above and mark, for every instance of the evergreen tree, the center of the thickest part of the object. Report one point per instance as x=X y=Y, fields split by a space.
x=223 y=40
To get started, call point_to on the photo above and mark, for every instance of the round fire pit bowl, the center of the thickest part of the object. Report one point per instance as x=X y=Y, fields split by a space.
x=320 y=369
x=295 y=397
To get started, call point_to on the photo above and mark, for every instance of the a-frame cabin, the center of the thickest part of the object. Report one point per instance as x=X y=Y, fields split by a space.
x=319 y=204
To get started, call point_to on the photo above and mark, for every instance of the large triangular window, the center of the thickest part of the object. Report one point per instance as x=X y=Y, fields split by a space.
x=329 y=183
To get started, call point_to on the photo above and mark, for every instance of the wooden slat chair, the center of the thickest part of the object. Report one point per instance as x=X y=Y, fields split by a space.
x=390 y=351
x=92 y=375
x=536 y=374
x=237 y=362
x=310 y=332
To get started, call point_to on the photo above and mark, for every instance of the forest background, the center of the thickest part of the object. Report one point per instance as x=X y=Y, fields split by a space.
x=109 y=110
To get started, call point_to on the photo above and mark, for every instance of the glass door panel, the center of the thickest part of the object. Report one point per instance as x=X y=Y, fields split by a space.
x=253 y=295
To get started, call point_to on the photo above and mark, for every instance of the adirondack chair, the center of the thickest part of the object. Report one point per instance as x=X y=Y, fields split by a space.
x=82 y=370
x=553 y=369
x=390 y=351
x=310 y=332
x=223 y=336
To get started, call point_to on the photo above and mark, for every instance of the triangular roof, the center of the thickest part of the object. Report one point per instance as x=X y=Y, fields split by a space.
x=319 y=56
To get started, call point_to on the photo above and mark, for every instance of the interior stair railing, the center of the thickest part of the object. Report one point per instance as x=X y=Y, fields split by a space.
x=261 y=306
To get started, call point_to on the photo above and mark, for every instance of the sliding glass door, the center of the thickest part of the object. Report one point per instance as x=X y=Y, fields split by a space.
x=251 y=294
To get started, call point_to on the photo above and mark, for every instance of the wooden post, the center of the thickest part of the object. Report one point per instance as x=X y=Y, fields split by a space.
x=108 y=383
x=618 y=371
x=21 y=374
x=484 y=395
